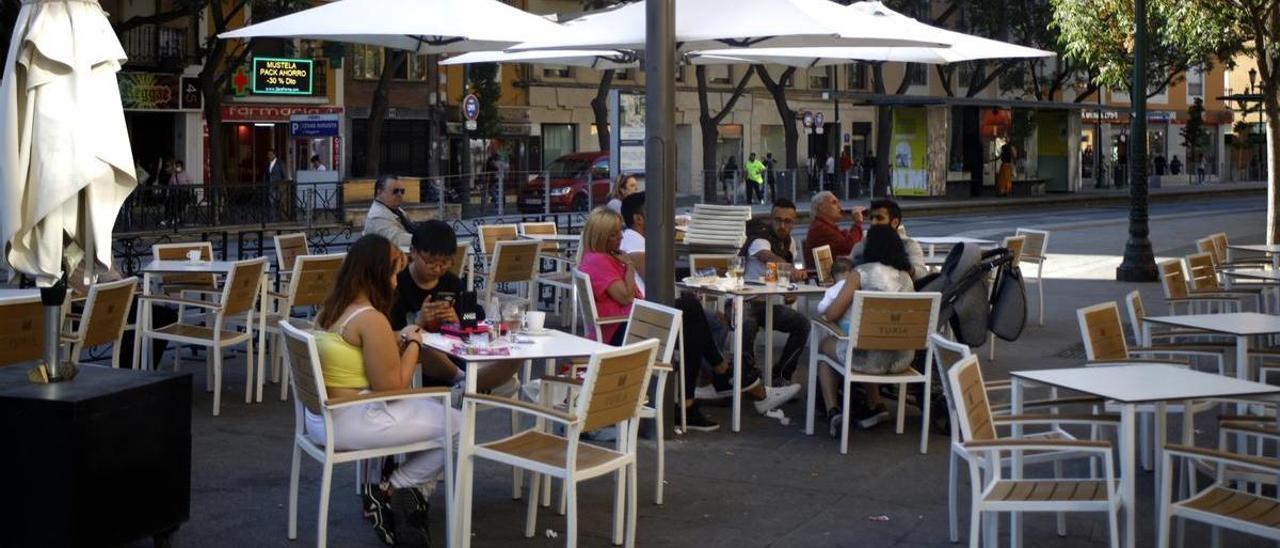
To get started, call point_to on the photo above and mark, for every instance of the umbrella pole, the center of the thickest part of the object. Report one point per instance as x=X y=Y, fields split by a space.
x=52 y=298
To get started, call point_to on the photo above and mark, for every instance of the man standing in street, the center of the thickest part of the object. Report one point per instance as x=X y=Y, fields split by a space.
x=385 y=217
x=823 y=230
x=275 y=168
x=755 y=178
x=770 y=175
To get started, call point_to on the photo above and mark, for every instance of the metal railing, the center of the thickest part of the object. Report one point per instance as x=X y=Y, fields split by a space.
x=798 y=185
x=192 y=207
x=154 y=45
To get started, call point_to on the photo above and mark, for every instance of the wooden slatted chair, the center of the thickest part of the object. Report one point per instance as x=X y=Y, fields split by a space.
x=204 y=286
x=1034 y=251
x=991 y=493
x=311 y=396
x=490 y=235
x=560 y=278
x=103 y=319
x=702 y=261
x=236 y=302
x=946 y=354
x=541 y=229
x=288 y=248
x=886 y=322
x=1140 y=331
x=463 y=266
x=310 y=282
x=1205 y=279
x=1222 y=252
x=822 y=261
x=1219 y=504
x=612 y=395
x=1177 y=296
x=21 y=330
x=514 y=262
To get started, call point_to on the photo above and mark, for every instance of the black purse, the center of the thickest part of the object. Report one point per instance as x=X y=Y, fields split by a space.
x=1008 y=304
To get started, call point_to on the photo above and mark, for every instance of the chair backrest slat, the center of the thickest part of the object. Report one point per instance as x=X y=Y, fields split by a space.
x=653 y=321
x=1173 y=278
x=545 y=229
x=178 y=252
x=587 y=304
x=1133 y=302
x=974 y=409
x=1221 y=244
x=242 y=287
x=313 y=278
x=946 y=354
x=21 y=330
x=1015 y=244
x=460 y=258
x=514 y=261
x=1036 y=244
x=490 y=235
x=1103 y=333
x=105 y=312
x=822 y=261
x=1203 y=273
x=616 y=383
x=288 y=248
x=304 y=364
x=893 y=321
x=700 y=261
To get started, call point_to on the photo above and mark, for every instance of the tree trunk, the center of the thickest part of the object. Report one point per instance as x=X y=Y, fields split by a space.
x=1272 y=104
x=394 y=58
x=213 y=118
x=710 y=125
x=778 y=91
x=600 y=108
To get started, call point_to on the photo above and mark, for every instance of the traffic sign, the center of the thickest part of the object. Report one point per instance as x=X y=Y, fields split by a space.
x=808 y=119
x=818 y=120
x=313 y=125
x=470 y=125
x=471 y=107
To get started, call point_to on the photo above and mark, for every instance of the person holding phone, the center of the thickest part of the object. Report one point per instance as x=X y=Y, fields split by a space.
x=613 y=272
x=429 y=295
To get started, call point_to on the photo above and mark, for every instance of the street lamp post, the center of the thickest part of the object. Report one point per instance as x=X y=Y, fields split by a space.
x=1139 y=264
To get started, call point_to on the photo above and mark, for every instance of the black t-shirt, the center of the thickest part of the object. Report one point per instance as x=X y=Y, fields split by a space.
x=409 y=297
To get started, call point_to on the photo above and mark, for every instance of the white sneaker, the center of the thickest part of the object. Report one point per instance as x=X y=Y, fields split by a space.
x=707 y=392
x=775 y=396
x=507 y=389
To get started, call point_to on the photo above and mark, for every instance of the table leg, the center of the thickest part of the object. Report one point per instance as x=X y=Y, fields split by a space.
x=262 y=333
x=1161 y=420
x=737 y=362
x=1128 y=472
x=1015 y=471
x=768 y=340
x=141 y=322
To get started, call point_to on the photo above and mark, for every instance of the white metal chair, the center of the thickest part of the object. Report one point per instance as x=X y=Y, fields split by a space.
x=993 y=493
x=1219 y=504
x=514 y=262
x=592 y=323
x=310 y=282
x=288 y=248
x=236 y=304
x=21 y=330
x=1179 y=298
x=560 y=278
x=612 y=395
x=103 y=319
x=822 y=261
x=310 y=395
x=463 y=264
x=490 y=235
x=1034 y=249
x=882 y=321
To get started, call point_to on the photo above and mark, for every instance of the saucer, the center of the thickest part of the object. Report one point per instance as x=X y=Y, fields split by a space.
x=535 y=332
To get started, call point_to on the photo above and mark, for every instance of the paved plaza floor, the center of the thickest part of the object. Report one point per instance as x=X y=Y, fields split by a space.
x=769 y=485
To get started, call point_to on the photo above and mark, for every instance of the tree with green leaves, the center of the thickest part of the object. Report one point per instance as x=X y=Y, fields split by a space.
x=1194 y=136
x=392 y=60
x=600 y=103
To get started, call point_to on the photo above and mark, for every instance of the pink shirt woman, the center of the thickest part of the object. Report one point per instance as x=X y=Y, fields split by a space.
x=613 y=275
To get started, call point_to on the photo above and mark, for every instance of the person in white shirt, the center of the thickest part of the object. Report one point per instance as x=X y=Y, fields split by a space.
x=774 y=244
x=385 y=217
x=632 y=210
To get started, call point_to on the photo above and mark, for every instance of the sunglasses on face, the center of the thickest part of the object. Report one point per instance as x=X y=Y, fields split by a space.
x=398 y=191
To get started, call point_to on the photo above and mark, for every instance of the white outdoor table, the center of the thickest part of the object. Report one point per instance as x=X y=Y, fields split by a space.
x=157 y=267
x=1268 y=277
x=15 y=293
x=740 y=295
x=1129 y=386
x=1272 y=250
x=1240 y=325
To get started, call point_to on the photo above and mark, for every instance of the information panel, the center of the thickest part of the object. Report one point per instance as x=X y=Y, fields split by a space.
x=273 y=76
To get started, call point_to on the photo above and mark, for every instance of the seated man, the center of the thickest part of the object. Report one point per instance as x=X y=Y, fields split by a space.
x=888 y=212
x=385 y=217
x=824 y=230
x=774 y=244
x=428 y=289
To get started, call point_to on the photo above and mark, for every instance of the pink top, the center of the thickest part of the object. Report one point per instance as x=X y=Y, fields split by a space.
x=604 y=270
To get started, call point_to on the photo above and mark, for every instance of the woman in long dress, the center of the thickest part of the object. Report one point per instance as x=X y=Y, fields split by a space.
x=1004 y=177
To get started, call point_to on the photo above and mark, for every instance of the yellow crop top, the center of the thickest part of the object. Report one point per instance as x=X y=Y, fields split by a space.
x=341 y=362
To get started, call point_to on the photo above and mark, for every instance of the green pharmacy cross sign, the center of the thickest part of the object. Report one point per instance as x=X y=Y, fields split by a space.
x=272 y=76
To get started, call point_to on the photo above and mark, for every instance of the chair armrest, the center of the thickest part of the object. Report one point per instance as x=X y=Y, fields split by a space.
x=1131 y=361
x=557 y=258
x=1062 y=419
x=175 y=300
x=612 y=320
x=658 y=366
x=521 y=407
x=1205 y=297
x=1098 y=446
x=1251 y=428
x=1261 y=464
x=830 y=328
x=1055 y=402
x=388 y=395
x=566 y=381
x=277 y=295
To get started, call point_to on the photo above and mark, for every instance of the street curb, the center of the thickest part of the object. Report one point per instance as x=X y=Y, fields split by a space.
x=1081 y=200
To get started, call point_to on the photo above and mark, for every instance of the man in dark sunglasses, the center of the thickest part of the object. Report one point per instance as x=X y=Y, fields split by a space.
x=386 y=218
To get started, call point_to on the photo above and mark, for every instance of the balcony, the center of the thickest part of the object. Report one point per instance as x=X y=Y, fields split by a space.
x=156 y=47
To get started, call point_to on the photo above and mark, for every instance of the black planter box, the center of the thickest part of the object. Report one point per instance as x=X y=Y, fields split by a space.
x=98 y=461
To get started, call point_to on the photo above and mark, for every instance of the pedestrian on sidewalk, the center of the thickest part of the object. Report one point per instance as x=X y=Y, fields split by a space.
x=754 y=169
x=1004 y=177
x=770 y=175
x=728 y=173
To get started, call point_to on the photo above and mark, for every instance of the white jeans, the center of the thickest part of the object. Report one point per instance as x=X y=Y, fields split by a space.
x=382 y=424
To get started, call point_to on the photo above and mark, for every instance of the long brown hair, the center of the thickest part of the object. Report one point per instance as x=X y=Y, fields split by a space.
x=371 y=262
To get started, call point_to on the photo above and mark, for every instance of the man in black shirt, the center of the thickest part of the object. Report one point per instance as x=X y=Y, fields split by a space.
x=429 y=294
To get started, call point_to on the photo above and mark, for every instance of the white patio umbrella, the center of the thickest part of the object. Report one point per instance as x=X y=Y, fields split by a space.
x=592 y=59
x=707 y=24
x=65 y=162
x=964 y=47
x=420 y=26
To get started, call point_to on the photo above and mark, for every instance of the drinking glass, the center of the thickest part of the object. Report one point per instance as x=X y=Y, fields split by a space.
x=735 y=271
x=512 y=319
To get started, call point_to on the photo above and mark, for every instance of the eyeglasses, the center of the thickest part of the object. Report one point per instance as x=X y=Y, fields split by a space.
x=437 y=263
x=783 y=221
x=398 y=191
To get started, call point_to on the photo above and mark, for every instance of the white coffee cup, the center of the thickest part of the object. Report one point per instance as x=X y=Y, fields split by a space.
x=533 y=320
x=193 y=255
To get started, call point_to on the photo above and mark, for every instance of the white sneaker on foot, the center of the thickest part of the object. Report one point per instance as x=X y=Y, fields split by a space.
x=775 y=396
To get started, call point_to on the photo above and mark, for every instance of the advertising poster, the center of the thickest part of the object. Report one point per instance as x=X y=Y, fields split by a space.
x=907 y=150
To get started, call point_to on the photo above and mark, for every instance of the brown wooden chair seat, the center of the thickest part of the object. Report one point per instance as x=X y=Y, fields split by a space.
x=534 y=447
x=1033 y=491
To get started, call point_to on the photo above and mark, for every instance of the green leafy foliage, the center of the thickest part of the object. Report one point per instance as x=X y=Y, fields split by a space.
x=1193 y=133
x=484 y=83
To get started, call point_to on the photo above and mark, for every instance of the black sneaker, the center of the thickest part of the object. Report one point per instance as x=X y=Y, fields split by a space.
x=409 y=509
x=835 y=420
x=380 y=513
x=697 y=421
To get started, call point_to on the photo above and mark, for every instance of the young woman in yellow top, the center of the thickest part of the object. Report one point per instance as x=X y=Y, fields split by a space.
x=359 y=353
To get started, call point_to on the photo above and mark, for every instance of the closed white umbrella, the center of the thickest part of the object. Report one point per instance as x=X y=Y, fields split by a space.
x=65 y=162
x=964 y=47
x=420 y=26
x=592 y=59
x=706 y=24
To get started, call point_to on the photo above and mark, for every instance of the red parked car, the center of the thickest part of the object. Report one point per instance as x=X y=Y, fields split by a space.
x=571 y=177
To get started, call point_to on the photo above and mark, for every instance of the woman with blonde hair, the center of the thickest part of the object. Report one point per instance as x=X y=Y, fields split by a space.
x=625 y=186
x=612 y=272
x=360 y=353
